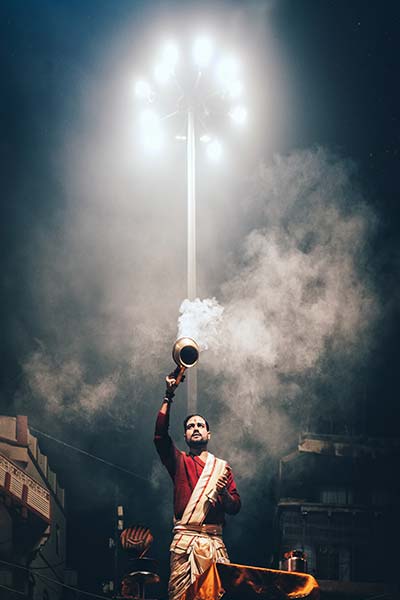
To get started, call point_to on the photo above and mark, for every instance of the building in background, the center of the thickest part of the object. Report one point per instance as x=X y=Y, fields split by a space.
x=336 y=502
x=32 y=517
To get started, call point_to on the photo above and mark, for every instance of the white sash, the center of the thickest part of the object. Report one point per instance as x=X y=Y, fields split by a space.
x=204 y=494
x=203 y=497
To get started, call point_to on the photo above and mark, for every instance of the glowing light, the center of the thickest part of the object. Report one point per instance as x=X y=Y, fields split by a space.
x=205 y=139
x=227 y=71
x=166 y=68
x=214 y=150
x=202 y=51
x=143 y=89
x=239 y=115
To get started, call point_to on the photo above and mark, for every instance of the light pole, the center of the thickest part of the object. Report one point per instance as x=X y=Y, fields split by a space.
x=191 y=206
x=191 y=242
x=203 y=91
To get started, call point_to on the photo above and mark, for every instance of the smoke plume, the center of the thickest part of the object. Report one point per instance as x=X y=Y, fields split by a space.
x=200 y=320
x=295 y=311
x=299 y=308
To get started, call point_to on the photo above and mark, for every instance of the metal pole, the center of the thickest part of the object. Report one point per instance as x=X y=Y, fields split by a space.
x=191 y=242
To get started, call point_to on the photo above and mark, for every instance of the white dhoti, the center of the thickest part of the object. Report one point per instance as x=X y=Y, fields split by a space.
x=196 y=545
x=189 y=561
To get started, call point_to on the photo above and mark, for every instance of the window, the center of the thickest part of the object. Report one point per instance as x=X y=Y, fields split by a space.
x=336 y=495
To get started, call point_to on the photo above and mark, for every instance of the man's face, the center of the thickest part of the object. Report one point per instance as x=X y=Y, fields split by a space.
x=196 y=434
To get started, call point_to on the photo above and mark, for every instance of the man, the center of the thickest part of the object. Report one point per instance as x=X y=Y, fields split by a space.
x=204 y=490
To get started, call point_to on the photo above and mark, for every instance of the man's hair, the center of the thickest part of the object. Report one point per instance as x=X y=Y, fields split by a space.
x=195 y=415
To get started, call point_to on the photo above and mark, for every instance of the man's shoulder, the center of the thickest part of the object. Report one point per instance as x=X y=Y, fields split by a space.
x=220 y=460
x=181 y=453
x=217 y=457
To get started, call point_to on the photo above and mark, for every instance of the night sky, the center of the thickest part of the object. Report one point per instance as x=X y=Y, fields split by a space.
x=93 y=248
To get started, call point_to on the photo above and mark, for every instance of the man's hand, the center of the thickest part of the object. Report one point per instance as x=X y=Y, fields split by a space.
x=171 y=382
x=222 y=483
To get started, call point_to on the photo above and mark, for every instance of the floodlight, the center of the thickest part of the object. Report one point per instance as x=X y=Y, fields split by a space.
x=166 y=68
x=214 y=150
x=142 y=89
x=239 y=115
x=202 y=51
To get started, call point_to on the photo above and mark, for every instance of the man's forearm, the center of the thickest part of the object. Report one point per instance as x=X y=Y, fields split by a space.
x=162 y=439
x=165 y=406
x=162 y=421
x=168 y=395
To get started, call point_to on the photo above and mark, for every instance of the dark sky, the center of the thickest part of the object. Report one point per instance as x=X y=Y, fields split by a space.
x=323 y=87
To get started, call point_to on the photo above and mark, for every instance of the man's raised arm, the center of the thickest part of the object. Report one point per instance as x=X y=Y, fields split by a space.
x=162 y=440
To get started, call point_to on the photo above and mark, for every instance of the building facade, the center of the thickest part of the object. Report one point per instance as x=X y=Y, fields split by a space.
x=338 y=501
x=32 y=517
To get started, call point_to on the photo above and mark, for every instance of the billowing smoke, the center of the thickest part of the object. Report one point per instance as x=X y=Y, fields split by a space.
x=296 y=314
x=293 y=319
x=200 y=320
x=64 y=388
x=293 y=314
x=299 y=308
x=284 y=252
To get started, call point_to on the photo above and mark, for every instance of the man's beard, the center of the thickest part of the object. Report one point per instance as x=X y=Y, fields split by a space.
x=198 y=443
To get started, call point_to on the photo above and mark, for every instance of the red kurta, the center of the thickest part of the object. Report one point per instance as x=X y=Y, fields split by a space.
x=185 y=470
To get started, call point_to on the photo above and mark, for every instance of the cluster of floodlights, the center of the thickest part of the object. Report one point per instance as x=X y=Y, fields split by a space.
x=197 y=86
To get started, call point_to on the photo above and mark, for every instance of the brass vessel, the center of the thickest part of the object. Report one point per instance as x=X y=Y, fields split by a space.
x=185 y=352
